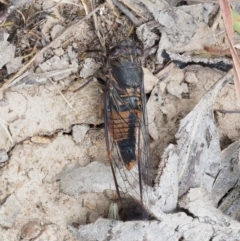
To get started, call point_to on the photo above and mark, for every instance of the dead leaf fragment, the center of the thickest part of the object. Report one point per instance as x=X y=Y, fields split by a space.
x=89 y=68
x=14 y=65
x=7 y=52
x=147 y=37
x=177 y=89
x=190 y=77
x=198 y=143
x=31 y=230
x=3 y=156
x=228 y=175
x=79 y=132
x=149 y=80
x=184 y=28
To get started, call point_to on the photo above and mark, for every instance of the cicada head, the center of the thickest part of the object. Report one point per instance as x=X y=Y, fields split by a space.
x=126 y=48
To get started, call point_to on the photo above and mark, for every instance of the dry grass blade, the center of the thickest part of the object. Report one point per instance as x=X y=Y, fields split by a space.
x=60 y=91
x=98 y=29
x=228 y=22
x=23 y=17
x=61 y=94
x=3 y=123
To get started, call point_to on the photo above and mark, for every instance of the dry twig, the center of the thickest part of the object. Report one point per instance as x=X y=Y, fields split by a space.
x=128 y=13
x=61 y=94
x=165 y=71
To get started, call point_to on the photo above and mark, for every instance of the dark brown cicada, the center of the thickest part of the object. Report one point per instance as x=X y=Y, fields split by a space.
x=126 y=129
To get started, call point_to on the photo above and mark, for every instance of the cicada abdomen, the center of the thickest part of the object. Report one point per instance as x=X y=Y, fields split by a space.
x=126 y=129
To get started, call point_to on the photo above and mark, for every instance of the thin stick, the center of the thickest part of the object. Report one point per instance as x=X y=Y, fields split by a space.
x=164 y=71
x=136 y=22
x=229 y=111
x=24 y=19
x=3 y=121
x=61 y=94
x=65 y=32
x=85 y=84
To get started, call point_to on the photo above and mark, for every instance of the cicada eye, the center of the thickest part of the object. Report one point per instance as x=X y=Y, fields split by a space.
x=114 y=51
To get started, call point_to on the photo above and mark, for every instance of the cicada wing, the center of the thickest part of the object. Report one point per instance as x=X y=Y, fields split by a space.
x=130 y=157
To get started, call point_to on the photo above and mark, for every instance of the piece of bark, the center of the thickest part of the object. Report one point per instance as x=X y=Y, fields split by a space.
x=184 y=28
x=198 y=145
x=229 y=172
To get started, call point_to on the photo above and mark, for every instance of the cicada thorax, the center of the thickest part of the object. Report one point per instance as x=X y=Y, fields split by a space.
x=126 y=127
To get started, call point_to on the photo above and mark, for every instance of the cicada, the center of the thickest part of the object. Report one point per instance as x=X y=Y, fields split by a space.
x=126 y=129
